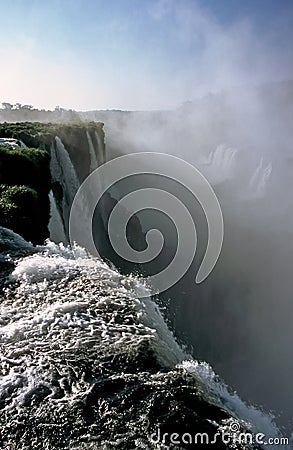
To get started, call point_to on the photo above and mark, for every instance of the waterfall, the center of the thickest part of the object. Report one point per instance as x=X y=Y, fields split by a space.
x=222 y=157
x=94 y=163
x=68 y=173
x=101 y=145
x=11 y=142
x=221 y=162
x=85 y=363
x=56 y=225
x=259 y=180
x=22 y=144
x=64 y=180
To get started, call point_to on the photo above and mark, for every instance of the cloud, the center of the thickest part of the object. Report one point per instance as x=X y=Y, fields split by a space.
x=175 y=51
x=220 y=54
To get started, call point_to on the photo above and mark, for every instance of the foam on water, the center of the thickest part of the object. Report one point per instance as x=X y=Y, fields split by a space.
x=219 y=392
x=67 y=321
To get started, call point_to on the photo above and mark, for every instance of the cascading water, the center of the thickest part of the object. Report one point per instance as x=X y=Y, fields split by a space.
x=65 y=184
x=94 y=163
x=239 y=320
x=11 y=142
x=101 y=146
x=221 y=162
x=56 y=224
x=260 y=178
x=64 y=181
x=85 y=365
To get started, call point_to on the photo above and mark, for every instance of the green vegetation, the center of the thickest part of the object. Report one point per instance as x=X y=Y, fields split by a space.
x=17 y=205
x=25 y=183
x=42 y=135
x=26 y=210
x=36 y=134
x=23 y=166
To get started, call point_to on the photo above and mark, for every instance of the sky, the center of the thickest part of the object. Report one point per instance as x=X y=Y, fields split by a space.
x=139 y=54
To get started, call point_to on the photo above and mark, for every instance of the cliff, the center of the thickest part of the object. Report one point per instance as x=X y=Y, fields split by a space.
x=42 y=166
x=27 y=175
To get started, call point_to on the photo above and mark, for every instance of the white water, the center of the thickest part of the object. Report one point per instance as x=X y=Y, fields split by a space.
x=93 y=157
x=260 y=178
x=221 y=163
x=11 y=142
x=56 y=226
x=63 y=172
x=259 y=421
x=61 y=304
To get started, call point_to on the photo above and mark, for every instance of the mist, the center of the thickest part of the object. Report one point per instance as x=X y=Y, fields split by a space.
x=240 y=318
x=236 y=128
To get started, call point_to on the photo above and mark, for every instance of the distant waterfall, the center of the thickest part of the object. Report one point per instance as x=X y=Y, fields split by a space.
x=221 y=162
x=13 y=143
x=259 y=180
x=22 y=145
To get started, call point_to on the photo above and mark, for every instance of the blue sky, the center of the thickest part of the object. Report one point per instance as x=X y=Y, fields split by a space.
x=139 y=54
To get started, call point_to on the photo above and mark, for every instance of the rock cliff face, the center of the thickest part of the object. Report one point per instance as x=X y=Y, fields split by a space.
x=76 y=150
x=36 y=158
x=42 y=165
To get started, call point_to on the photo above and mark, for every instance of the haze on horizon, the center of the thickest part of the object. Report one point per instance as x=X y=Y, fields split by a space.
x=147 y=54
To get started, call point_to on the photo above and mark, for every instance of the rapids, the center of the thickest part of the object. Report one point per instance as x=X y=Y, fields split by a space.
x=86 y=365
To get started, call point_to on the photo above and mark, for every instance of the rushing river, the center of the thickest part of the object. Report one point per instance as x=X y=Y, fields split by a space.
x=86 y=365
